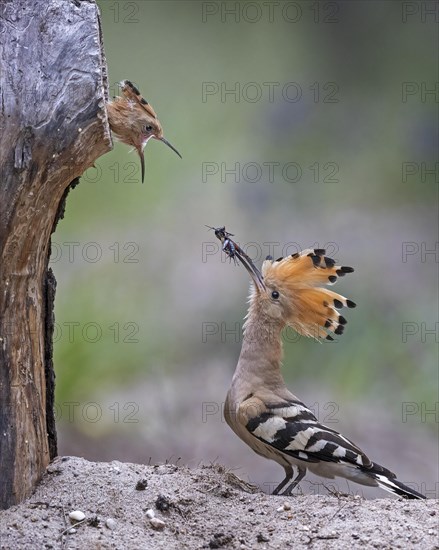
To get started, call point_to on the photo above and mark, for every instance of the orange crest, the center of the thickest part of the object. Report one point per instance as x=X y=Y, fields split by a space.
x=312 y=309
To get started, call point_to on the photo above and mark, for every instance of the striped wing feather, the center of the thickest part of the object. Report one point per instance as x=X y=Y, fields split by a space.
x=293 y=429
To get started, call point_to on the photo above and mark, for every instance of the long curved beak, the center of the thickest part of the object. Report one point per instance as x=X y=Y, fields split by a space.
x=169 y=145
x=142 y=163
x=252 y=270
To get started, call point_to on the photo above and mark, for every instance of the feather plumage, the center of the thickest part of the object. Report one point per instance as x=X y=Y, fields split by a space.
x=290 y=428
x=313 y=308
x=133 y=121
x=259 y=408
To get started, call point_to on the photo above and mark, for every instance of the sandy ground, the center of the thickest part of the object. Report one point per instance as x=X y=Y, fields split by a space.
x=205 y=507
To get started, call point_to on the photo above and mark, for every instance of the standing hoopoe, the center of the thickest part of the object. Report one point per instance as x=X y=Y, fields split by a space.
x=259 y=408
x=134 y=122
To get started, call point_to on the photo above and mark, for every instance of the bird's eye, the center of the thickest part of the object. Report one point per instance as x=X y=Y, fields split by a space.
x=148 y=128
x=275 y=294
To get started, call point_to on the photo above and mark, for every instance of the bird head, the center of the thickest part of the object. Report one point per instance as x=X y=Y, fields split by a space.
x=149 y=128
x=134 y=121
x=288 y=291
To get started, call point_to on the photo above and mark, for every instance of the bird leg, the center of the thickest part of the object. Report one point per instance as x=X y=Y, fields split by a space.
x=289 y=474
x=300 y=475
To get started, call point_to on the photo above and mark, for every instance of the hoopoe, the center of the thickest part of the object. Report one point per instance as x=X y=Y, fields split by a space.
x=259 y=408
x=134 y=122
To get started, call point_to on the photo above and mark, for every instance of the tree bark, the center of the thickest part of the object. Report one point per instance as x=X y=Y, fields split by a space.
x=53 y=126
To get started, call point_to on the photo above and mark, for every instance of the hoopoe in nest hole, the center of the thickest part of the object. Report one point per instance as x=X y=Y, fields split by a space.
x=259 y=408
x=134 y=122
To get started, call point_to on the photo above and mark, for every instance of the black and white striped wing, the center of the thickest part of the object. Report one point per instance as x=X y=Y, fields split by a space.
x=293 y=429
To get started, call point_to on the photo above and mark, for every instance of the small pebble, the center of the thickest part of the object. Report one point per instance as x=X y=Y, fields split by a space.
x=110 y=523
x=157 y=524
x=150 y=513
x=72 y=531
x=76 y=515
x=285 y=506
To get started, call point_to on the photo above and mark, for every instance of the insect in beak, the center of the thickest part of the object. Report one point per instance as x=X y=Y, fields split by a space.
x=233 y=250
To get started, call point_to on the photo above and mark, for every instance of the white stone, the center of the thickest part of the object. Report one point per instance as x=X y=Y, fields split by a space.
x=110 y=523
x=285 y=507
x=157 y=524
x=76 y=516
x=150 y=513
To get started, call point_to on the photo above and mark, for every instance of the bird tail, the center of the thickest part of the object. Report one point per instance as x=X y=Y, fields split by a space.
x=396 y=487
x=387 y=481
x=313 y=308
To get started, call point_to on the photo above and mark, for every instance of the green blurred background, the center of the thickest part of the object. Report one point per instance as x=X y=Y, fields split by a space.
x=148 y=310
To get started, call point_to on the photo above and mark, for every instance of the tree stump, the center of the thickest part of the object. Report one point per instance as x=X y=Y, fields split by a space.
x=53 y=126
